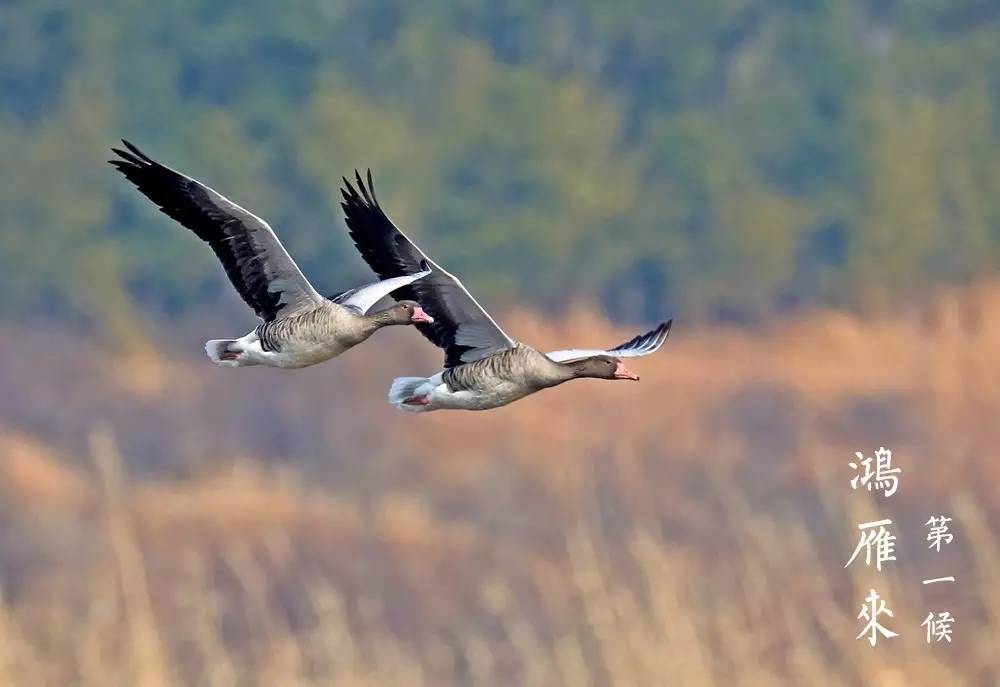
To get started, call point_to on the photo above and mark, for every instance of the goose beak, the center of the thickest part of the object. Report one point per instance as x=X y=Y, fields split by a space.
x=622 y=372
x=420 y=316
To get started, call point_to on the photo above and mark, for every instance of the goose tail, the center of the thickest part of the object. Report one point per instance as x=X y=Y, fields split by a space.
x=222 y=352
x=411 y=393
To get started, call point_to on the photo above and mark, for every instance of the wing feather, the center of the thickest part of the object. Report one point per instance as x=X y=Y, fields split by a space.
x=461 y=326
x=256 y=263
x=364 y=297
x=643 y=344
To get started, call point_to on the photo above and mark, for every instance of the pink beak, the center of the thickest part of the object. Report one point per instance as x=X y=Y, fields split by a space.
x=622 y=372
x=420 y=316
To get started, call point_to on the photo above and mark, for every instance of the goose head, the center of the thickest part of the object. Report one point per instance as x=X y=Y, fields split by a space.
x=602 y=367
x=404 y=312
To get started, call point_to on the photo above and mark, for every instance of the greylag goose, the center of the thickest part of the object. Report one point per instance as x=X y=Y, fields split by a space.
x=483 y=367
x=299 y=327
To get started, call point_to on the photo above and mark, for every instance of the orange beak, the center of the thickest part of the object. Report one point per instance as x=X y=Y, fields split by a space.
x=622 y=372
x=420 y=316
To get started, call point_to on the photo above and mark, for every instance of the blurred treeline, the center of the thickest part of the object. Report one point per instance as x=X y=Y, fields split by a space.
x=718 y=158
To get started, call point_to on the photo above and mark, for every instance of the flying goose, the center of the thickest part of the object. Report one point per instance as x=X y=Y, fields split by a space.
x=299 y=327
x=483 y=367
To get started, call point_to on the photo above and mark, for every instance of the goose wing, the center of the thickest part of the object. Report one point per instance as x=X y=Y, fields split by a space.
x=362 y=298
x=461 y=326
x=257 y=264
x=643 y=344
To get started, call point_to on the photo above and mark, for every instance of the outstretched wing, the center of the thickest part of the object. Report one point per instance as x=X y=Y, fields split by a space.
x=257 y=264
x=644 y=344
x=362 y=298
x=461 y=327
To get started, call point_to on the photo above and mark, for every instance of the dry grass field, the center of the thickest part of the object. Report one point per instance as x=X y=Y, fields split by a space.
x=165 y=523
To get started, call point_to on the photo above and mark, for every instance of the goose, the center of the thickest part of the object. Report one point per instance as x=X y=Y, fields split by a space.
x=298 y=326
x=483 y=368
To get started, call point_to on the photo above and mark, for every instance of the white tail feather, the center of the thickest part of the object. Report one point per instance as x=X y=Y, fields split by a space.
x=215 y=348
x=403 y=388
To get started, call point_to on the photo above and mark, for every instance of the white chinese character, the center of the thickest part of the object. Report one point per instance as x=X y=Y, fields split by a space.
x=939 y=532
x=884 y=474
x=938 y=627
x=880 y=540
x=870 y=611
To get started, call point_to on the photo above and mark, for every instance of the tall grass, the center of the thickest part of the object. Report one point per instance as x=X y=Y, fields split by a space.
x=688 y=530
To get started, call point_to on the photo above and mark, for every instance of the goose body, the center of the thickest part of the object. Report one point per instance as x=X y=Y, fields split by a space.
x=299 y=327
x=484 y=368
x=491 y=382
x=300 y=340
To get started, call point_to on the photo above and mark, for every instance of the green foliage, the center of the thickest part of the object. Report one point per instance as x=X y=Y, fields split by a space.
x=721 y=158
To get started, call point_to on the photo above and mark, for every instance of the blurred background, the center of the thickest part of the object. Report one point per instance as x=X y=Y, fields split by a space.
x=810 y=189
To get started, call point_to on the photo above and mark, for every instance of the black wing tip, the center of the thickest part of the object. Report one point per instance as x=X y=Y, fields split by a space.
x=367 y=191
x=659 y=335
x=648 y=341
x=131 y=157
x=424 y=267
x=359 y=201
x=125 y=159
x=134 y=149
x=358 y=192
x=353 y=194
x=371 y=187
